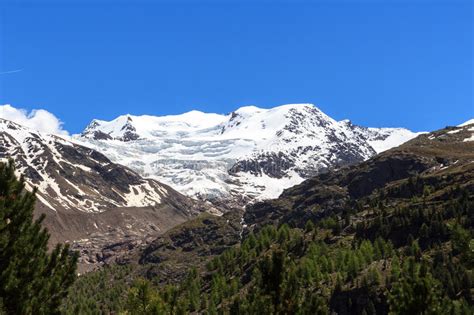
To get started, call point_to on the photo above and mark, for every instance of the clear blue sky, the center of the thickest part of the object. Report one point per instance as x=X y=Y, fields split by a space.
x=379 y=63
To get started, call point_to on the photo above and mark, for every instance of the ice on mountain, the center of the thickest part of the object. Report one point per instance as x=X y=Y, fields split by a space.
x=195 y=152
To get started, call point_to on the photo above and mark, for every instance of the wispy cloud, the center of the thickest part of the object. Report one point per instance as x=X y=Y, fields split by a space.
x=11 y=71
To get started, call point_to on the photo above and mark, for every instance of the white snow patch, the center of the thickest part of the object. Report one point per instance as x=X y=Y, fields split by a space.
x=471 y=138
x=469 y=122
x=142 y=195
x=397 y=136
x=454 y=131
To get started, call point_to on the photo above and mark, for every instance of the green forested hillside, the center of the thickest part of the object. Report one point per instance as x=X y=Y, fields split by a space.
x=323 y=268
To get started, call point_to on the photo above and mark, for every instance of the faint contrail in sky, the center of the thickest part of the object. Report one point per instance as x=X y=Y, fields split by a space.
x=11 y=71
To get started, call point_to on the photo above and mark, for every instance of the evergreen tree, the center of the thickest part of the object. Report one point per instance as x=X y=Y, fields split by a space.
x=144 y=300
x=417 y=292
x=273 y=271
x=32 y=281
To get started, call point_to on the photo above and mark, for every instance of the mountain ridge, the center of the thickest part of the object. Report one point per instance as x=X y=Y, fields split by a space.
x=252 y=151
x=88 y=200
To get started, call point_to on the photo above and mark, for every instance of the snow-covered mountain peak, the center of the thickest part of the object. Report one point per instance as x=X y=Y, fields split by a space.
x=251 y=151
x=248 y=121
x=261 y=124
x=248 y=110
x=282 y=109
x=129 y=127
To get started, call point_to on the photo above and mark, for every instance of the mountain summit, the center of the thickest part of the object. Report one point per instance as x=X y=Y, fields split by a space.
x=253 y=152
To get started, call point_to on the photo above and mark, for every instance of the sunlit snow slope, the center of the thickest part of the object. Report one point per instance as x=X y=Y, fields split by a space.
x=72 y=177
x=251 y=152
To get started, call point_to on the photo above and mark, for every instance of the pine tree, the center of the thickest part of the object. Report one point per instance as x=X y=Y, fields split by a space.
x=416 y=292
x=192 y=286
x=273 y=271
x=144 y=300
x=32 y=281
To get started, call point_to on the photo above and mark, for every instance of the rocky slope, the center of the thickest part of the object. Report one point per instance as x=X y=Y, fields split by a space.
x=442 y=158
x=89 y=200
x=252 y=153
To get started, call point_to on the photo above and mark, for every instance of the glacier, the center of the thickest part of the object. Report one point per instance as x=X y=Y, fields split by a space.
x=251 y=153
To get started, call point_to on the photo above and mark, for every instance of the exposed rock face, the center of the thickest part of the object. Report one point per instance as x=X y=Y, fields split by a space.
x=252 y=152
x=129 y=131
x=190 y=245
x=99 y=135
x=269 y=163
x=88 y=200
